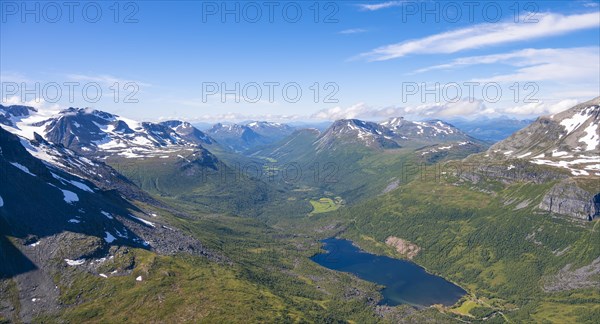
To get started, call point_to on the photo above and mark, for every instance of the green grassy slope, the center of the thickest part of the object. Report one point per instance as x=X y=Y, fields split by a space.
x=488 y=243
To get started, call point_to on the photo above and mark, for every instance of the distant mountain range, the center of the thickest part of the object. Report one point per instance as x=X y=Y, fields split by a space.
x=490 y=129
x=246 y=136
x=393 y=133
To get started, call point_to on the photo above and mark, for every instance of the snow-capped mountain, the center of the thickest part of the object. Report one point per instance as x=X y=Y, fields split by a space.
x=188 y=132
x=395 y=132
x=432 y=130
x=569 y=140
x=242 y=137
x=62 y=210
x=349 y=131
x=270 y=129
x=100 y=134
x=47 y=189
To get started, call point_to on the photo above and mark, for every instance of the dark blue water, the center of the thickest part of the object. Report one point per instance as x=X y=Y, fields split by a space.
x=404 y=281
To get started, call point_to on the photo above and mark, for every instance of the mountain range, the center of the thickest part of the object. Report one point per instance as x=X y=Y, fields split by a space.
x=89 y=199
x=490 y=129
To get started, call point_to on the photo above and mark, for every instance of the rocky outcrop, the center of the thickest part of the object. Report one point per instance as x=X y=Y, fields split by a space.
x=566 y=198
x=404 y=247
x=570 y=279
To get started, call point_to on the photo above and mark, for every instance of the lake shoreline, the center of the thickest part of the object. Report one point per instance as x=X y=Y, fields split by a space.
x=405 y=282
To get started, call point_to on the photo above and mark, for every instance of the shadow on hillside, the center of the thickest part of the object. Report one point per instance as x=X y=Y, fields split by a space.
x=12 y=261
x=38 y=202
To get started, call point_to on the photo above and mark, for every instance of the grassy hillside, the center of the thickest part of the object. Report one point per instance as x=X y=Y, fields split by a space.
x=497 y=246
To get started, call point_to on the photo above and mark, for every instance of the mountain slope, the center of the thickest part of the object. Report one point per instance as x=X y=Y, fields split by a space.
x=51 y=219
x=568 y=140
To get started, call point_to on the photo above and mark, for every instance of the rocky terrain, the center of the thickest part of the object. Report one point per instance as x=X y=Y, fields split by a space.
x=569 y=279
x=404 y=247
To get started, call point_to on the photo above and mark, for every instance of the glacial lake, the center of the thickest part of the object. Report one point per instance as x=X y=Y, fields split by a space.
x=405 y=282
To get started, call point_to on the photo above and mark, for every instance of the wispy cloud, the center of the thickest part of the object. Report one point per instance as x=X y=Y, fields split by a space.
x=555 y=64
x=484 y=35
x=232 y=117
x=9 y=76
x=379 y=6
x=352 y=31
x=104 y=79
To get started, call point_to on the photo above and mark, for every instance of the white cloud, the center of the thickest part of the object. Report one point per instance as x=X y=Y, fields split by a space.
x=541 y=108
x=364 y=111
x=467 y=107
x=358 y=111
x=483 y=35
x=38 y=103
x=378 y=6
x=352 y=31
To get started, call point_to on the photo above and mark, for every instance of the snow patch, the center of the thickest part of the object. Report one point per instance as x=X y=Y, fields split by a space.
x=591 y=139
x=22 y=168
x=70 y=197
x=75 y=262
x=557 y=153
x=109 y=238
x=139 y=278
x=571 y=124
x=144 y=221
x=81 y=186
x=108 y=215
x=74 y=221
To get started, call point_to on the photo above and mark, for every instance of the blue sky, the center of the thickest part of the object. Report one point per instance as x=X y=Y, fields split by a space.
x=377 y=58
